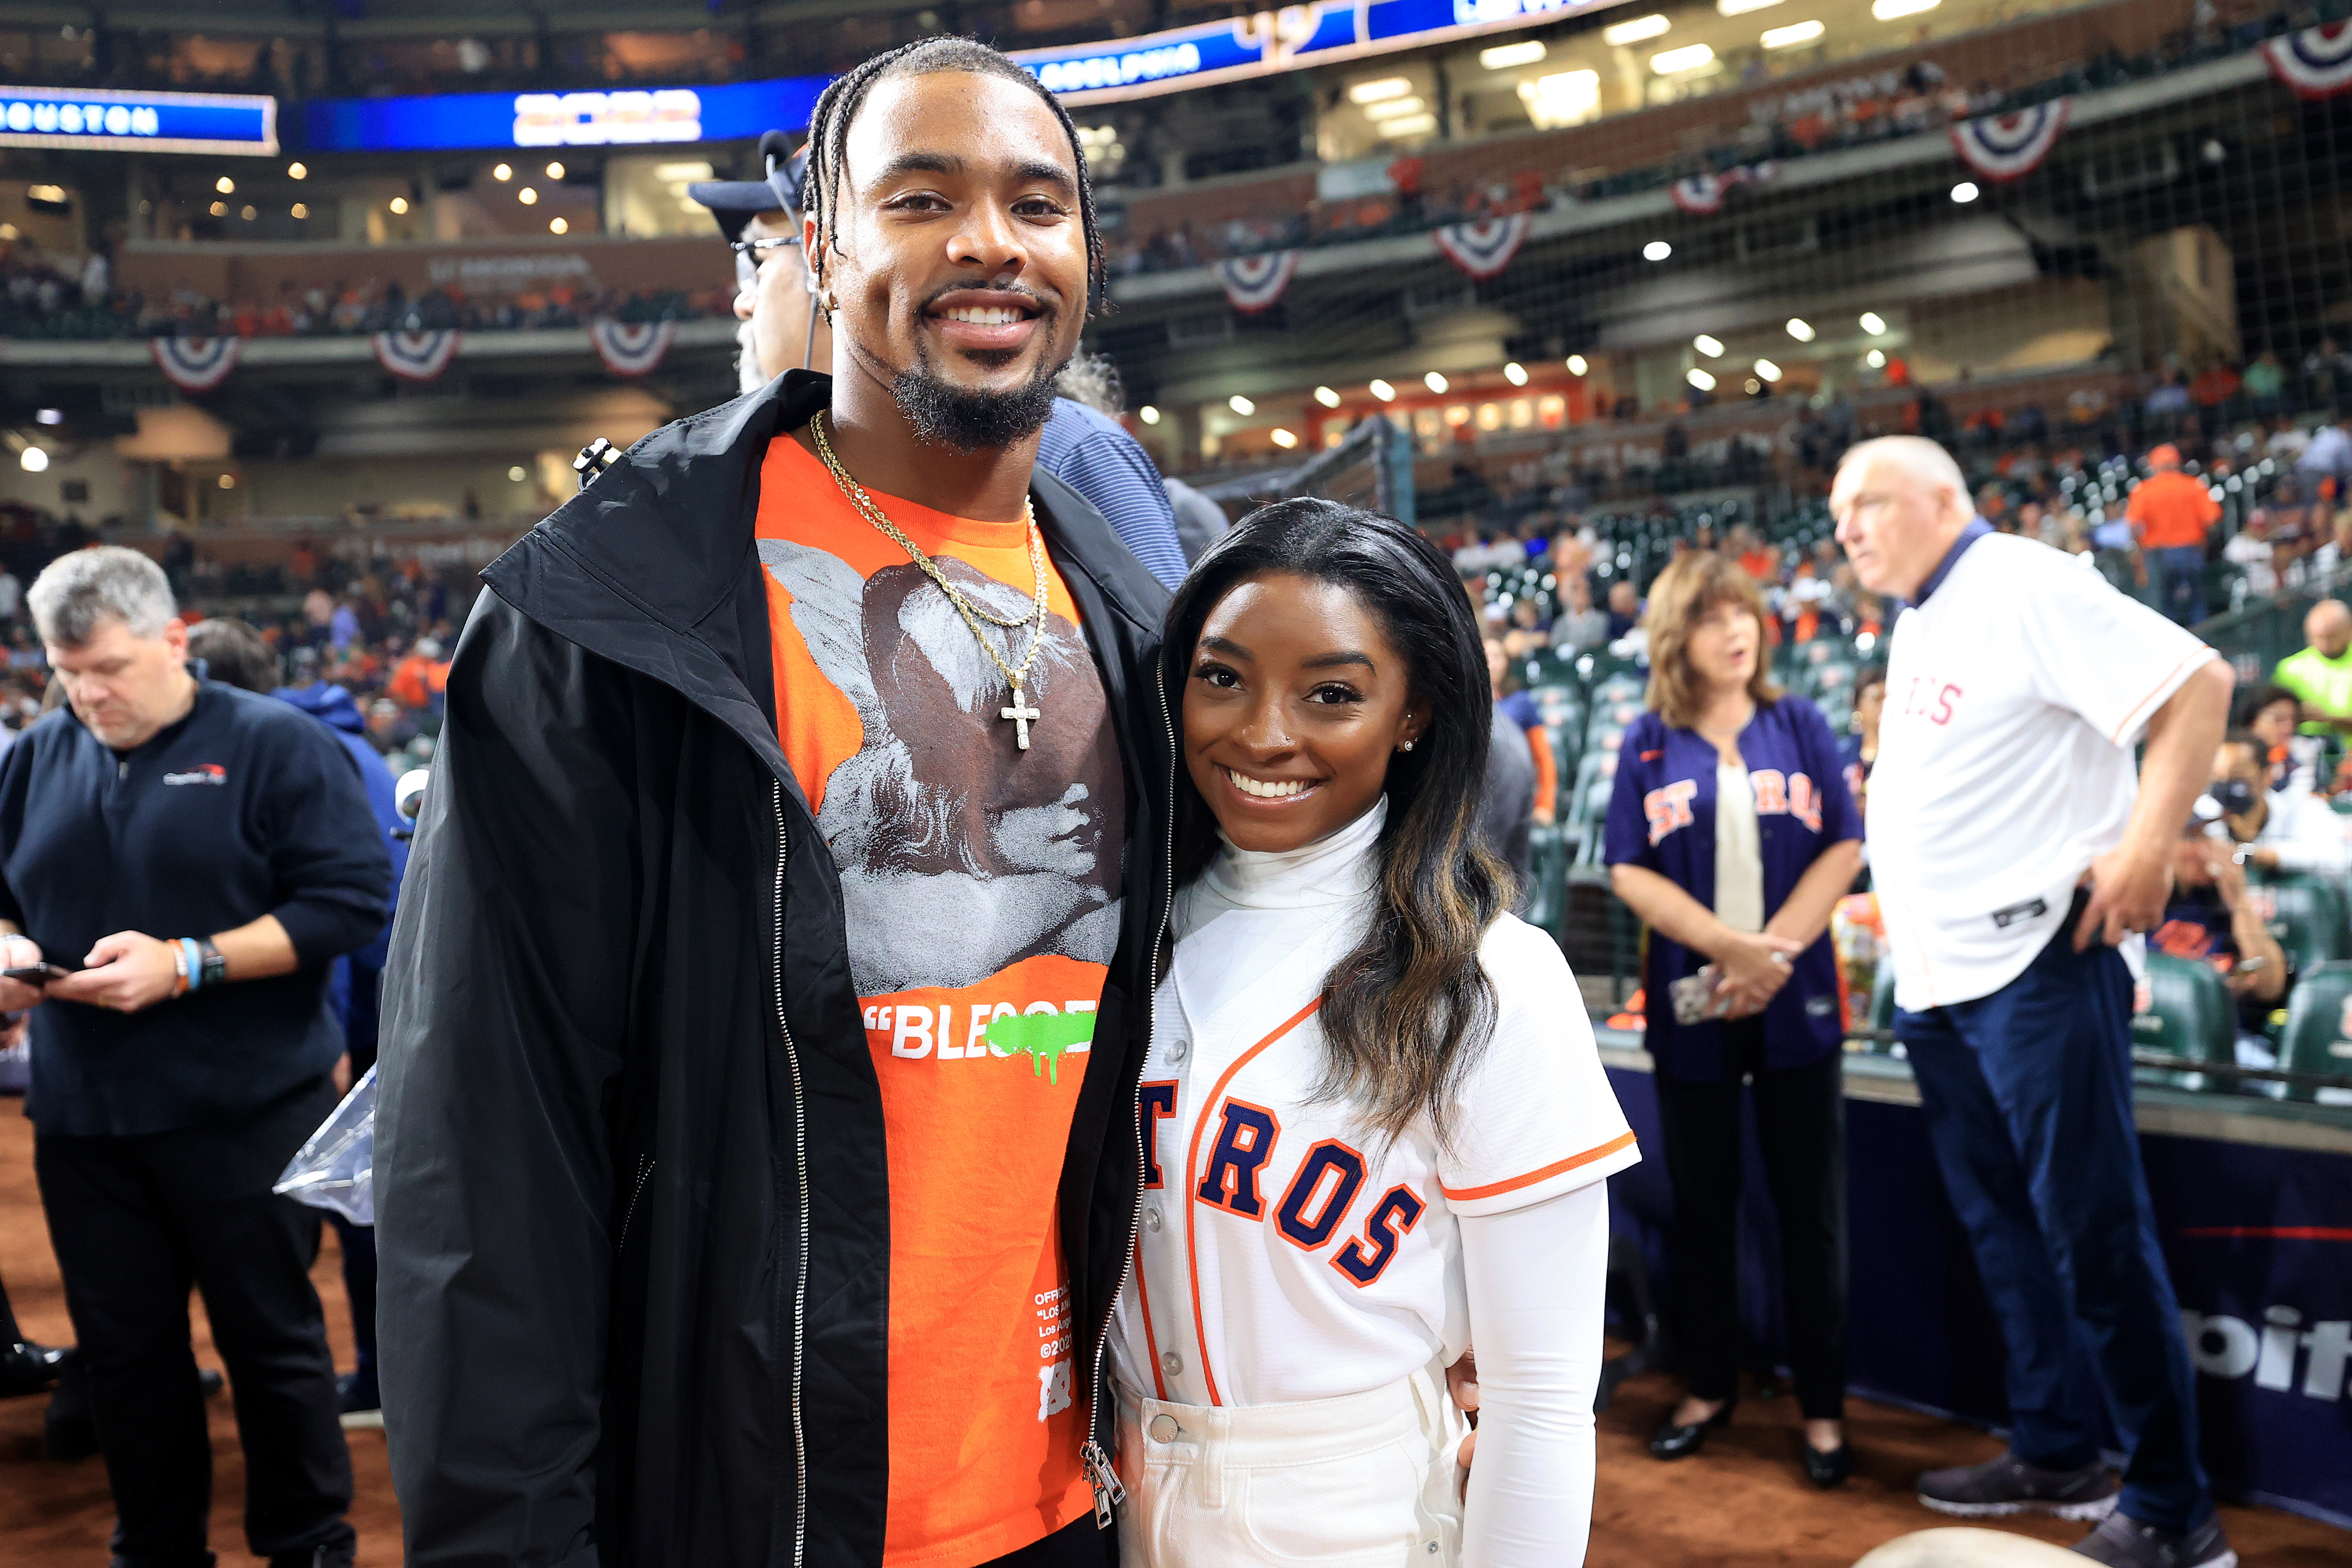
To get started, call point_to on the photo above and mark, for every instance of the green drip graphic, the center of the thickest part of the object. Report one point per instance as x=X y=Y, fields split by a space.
x=1043 y=1037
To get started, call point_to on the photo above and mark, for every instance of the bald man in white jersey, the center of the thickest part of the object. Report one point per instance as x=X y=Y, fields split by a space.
x=2017 y=859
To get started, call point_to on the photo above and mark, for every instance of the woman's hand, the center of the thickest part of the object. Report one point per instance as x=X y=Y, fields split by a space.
x=1755 y=967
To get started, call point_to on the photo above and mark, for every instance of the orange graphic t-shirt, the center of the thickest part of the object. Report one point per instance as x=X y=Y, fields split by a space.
x=981 y=886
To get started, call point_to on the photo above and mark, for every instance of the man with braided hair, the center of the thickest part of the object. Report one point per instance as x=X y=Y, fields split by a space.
x=756 y=1156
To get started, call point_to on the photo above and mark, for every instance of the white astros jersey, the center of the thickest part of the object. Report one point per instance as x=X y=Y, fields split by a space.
x=2015 y=697
x=1284 y=1253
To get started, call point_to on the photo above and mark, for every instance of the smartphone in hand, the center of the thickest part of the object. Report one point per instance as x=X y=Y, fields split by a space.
x=39 y=974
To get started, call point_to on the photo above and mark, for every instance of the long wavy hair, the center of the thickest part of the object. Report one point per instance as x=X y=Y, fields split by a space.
x=1682 y=597
x=1409 y=1010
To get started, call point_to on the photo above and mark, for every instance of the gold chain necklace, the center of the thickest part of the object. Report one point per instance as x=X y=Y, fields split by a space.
x=1021 y=713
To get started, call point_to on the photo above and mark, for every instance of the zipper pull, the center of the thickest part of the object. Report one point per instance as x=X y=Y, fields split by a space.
x=1108 y=1492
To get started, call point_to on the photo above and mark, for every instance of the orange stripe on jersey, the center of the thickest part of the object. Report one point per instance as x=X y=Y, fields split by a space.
x=2198 y=657
x=1495 y=1189
x=1192 y=1158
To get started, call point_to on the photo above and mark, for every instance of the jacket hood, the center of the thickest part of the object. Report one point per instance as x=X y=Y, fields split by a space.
x=330 y=703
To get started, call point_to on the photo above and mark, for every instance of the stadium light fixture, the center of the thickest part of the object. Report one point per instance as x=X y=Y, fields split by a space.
x=1966 y=191
x=33 y=460
x=527 y=195
x=249 y=213
x=1711 y=347
x=1635 y=31
x=503 y=172
x=1873 y=322
x=1241 y=406
x=1699 y=379
x=228 y=481
x=1436 y=383
x=1148 y=413
x=516 y=474
x=1327 y=398
x=1889 y=10
x=1515 y=373
x=1657 y=250
x=1382 y=389
x=555 y=171
x=1284 y=439
x=1690 y=57
x=1789 y=37
x=296 y=171
x=1410 y=125
x=1875 y=359
x=1506 y=57
x=1768 y=370
x=398 y=205
x=301 y=210
x=1393 y=109
x=218 y=209
x=1801 y=330
x=1741 y=7
x=1374 y=92
x=50 y=416
x=1576 y=365
x=557 y=225
x=224 y=185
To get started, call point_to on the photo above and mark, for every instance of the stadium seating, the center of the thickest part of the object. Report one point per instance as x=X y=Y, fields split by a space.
x=2308 y=915
x=2190 y=1015
x=2316 y=1039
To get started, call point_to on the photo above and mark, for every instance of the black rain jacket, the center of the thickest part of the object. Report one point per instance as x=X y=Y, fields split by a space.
x=631 y=1197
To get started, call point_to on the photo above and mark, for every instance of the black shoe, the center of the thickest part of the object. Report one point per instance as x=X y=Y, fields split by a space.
x=29 y=1368
x=2008 y=1484
x=337 y=1554
x=356 y=1399
x=1827 y=1467
x=1673 y=1442
x=2123 y=1541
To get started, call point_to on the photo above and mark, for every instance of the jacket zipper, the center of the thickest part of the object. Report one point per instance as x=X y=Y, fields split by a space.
x=1109 y=1491
x=644 y=1171
x=800 y=1161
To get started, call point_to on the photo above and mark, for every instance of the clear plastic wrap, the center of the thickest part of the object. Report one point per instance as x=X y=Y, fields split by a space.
x=336 y=1168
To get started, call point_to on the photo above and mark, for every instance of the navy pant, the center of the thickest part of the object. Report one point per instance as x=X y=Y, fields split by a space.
x=2179 y=576
x=2029 y=1102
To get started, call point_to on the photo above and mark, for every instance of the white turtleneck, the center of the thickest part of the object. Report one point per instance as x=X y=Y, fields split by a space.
x=1534 y=1276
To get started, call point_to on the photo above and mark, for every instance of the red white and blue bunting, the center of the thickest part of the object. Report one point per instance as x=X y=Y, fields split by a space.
x=416 y=356
x=1485 y=247
x=196 y=365
x=1255 y=283
x=1701 y=195
x=2316 y=63
x=2005 y=147
x=630 y=348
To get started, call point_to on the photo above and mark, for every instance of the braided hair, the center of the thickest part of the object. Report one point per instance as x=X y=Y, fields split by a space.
x=837 y=107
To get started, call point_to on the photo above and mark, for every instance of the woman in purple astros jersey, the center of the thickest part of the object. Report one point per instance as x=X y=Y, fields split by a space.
x=1731 y=833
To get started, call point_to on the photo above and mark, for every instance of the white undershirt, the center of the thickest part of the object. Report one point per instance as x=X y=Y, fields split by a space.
x=1738 y=852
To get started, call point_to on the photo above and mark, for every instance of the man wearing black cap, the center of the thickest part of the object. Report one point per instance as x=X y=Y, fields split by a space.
x=1083 y=445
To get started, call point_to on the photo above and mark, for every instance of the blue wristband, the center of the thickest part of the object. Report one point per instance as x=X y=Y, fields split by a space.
x=190 y=962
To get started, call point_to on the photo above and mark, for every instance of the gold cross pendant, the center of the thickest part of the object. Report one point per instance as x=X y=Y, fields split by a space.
x=1021 y=713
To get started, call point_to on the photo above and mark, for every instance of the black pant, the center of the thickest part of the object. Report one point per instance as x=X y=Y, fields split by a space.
x=1801 y=1116
x=1078 y=1545
x=137 y=1221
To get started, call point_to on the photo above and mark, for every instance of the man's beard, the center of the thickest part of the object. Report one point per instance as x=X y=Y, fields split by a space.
x=972 y=421
x=747 y=359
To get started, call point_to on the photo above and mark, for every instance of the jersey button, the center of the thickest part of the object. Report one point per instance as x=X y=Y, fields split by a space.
x=1178 y=1051
x=1164 y=1429
x=1151 y=1220
x=1171 y=1362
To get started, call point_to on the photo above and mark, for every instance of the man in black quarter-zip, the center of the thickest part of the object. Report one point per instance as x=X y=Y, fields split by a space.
x=757 y=1157
x=197 y=856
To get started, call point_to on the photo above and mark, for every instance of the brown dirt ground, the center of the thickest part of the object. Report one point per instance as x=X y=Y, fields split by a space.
x=1742 y=1503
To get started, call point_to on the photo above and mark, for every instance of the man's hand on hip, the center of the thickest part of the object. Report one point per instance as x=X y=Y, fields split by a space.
x=125 y=972
x=2127 y=894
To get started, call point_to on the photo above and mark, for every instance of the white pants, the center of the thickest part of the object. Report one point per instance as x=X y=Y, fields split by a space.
x=1367 y=1480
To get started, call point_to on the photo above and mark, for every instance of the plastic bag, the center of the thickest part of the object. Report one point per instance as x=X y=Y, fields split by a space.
x=336 y=1168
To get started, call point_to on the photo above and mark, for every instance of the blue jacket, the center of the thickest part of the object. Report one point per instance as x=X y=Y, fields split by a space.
x=1662 y=818
x=351 y=986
